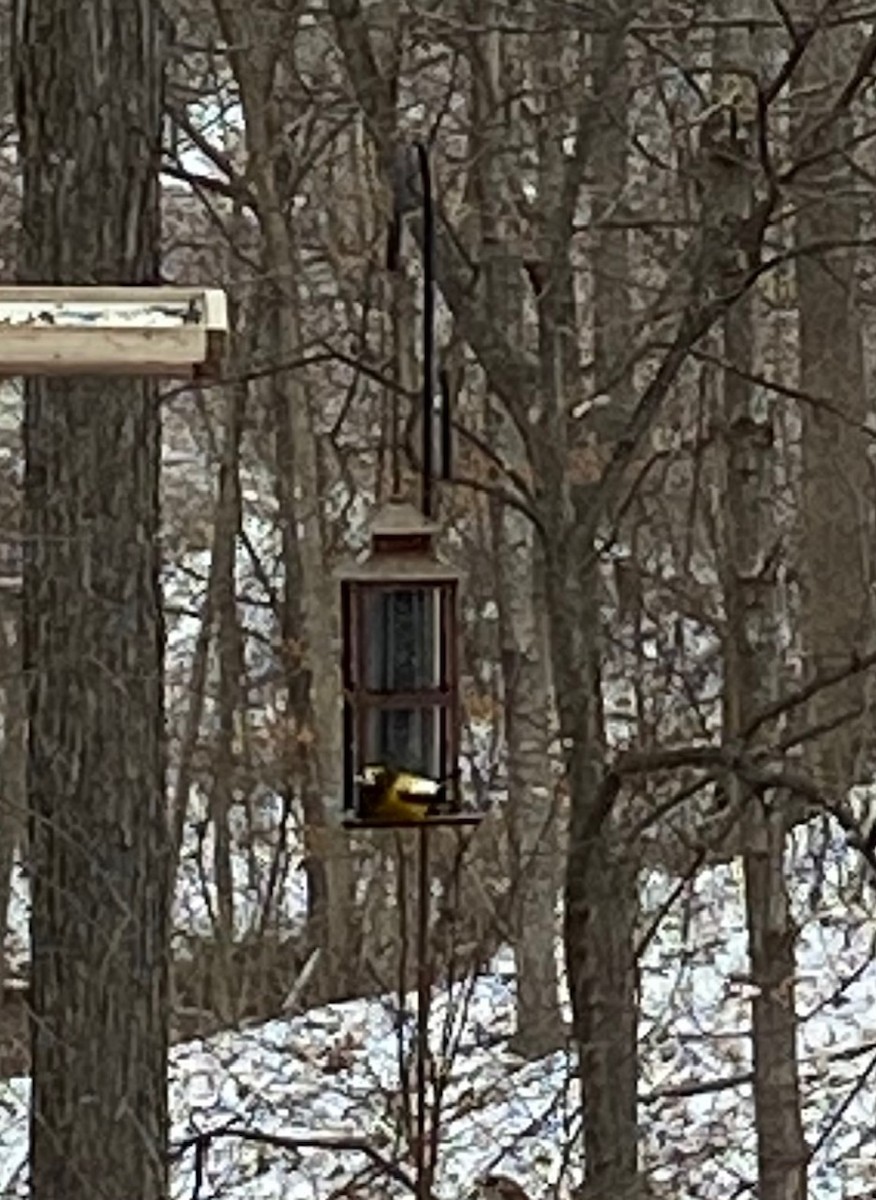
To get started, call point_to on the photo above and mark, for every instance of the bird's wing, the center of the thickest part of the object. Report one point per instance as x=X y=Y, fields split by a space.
x=417 y=786
x=394 y=807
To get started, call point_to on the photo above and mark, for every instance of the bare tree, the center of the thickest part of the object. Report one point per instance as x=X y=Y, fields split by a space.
x=749 y=567
x=89 y=97
x=542 y=392
x=264 y=39
x=231 y=670
x=497 y=74
x=12 y=751
x=836 y=485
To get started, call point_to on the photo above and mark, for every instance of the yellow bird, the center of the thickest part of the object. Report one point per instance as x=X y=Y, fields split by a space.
x=392 y=795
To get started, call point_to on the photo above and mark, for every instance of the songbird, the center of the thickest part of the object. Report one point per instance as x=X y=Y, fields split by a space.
x=395 y=795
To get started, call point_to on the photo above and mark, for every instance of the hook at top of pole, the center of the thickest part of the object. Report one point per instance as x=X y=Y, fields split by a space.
x=428 y=325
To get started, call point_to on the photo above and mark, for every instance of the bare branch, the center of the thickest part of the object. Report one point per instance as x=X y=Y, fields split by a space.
x=340 y=1142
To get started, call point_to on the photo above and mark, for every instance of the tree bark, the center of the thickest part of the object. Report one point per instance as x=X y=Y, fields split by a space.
x=12 y=755
x=524 y=651
x=89 y=106
x=601 y=872
x=229 y=649
x=752 y=650
x=836 y=489
x=532 y=806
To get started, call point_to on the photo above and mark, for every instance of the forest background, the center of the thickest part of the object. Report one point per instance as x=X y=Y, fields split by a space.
x=655 y=268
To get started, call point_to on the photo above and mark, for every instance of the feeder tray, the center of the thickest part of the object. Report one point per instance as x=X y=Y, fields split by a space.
x=442 y=819
x=171 y=331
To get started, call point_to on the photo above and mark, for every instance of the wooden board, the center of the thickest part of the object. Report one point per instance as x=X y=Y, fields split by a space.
x=211 y=302
x=177 y=332
x=47 y=351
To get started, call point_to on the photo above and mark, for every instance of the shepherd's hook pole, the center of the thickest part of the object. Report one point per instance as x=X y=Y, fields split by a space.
x=428 y=322
x=424 y=989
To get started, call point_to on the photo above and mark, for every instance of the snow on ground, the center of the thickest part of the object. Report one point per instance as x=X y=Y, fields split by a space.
x=333 y=1072
x=195 y=901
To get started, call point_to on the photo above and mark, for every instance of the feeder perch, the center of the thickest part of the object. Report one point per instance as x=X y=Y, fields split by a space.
x=172 y=331
x=400 y=668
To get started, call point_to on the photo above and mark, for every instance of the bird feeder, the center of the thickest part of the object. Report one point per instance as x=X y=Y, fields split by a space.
x=399 y=666
x=171 y=331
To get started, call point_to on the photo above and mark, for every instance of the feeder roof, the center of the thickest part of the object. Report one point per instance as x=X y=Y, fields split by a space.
x=400 y=517
x=406 y=562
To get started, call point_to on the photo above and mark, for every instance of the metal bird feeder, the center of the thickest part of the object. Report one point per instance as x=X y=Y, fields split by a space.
x=400 y=669
x=399 y=615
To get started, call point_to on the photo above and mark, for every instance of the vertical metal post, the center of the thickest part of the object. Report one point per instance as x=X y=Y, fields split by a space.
x=424 y=1137
x=425 y=1142
x=424 y=1165
x=428 y=323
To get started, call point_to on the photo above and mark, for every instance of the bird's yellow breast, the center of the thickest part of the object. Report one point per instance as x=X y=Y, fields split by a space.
x=396 y=807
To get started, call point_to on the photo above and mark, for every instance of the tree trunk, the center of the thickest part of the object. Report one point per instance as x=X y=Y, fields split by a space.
x=229 y=649
x=524 y=652
x=750 y=653
x=601 y=873
x=12 y=754
x=601 y=902
x=836 y=488
x=532 y=806
x=752 y=649
x=89 y=96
